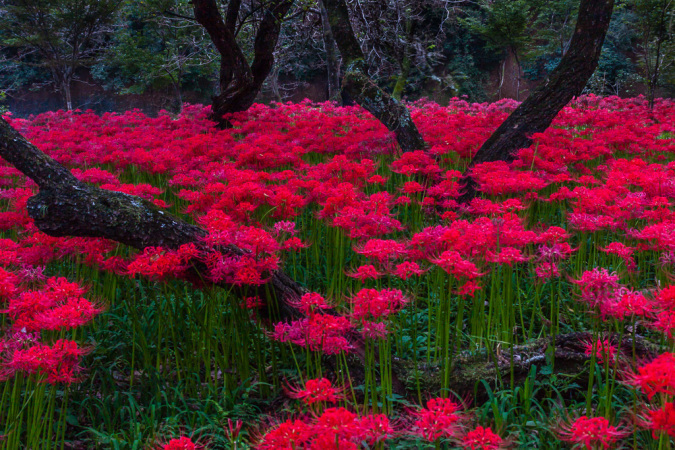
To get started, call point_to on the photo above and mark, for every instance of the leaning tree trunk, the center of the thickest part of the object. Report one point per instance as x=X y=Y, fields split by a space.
x=567 y=81
x=332 y=57
x=66 y=206
x=358 y=86
x=240 y=83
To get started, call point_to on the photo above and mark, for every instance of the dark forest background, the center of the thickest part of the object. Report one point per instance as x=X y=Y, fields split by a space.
x=152 y=55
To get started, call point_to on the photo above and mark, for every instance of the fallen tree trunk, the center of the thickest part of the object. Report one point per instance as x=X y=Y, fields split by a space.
x=566 y=81
x=470 y=370
x=65 y=206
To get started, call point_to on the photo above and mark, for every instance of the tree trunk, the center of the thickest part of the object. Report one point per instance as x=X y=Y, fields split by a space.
x=358 y=86
x=239 y=82
x=332 y=57
x=66 y=206
x=67 y=95
x=567 y=81
x=397 y=93
x=405 y=62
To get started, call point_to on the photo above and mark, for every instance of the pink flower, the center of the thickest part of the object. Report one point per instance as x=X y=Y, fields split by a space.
x=317 y=390
x=481 y=439
x=181 y=443
x=591 y=432
x=438 y=420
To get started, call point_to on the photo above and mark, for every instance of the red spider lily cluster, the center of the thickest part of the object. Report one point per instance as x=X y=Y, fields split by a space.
x=57 y=305
x=605 y=167
x=339 y=428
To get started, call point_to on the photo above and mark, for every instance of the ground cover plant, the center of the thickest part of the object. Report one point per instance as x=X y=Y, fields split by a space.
x=540 y=315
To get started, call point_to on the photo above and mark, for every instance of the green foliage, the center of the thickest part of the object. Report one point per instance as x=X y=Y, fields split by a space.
x=504 y=24
x=656 y=41
x=153 y=50
x=60 y=36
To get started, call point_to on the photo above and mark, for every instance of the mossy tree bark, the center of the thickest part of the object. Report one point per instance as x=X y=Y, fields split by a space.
x=360 y=87
x=65 y=206
x=332 y=57
x=566 y=81
x=240 y=82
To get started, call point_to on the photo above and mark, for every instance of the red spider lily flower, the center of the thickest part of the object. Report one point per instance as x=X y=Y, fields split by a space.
x=293 y=243
x=631 y=303
x=603 y=349
x=412 y=187
x=403 y=200
x=181 y=443
x=554 y=235
x=619 y=249
x=339 y=422
x=373 y=304
x=665 y=323
x=8 y=285
x=233 y=429
x=555 y=252
x=452 y=262
x=290 y=435
x=311 y=302
x=285 y=227
x=377 y=179
x=253 y=302
x=95 y=176
x=71 y=313
x=468 y=288
x=438 y=420
x=655 y=377
x=507 y=255
x=241 y=270
x=546 y=270
x=330 y=441
x=482 y=439
x=660 y=420
x=363 y=273
x=157 y=263
x=411 y=163
x=374 y=330
x=665 y=298
x=598 y=288
x=31 y=274
x=317 y=390
x=375 y=428
x=407 y=269
x=318 y=332
x=381 y=250
x=591 y=432
x=59 y=362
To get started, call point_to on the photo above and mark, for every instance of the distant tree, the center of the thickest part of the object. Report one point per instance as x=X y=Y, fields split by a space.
x=552 y=28
x=60 y=35
x=656 y=41
x=332 y=55
x=617 y=71
x=401 y=39
x=151 y=49
x=241 y=81
x=506 y=27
